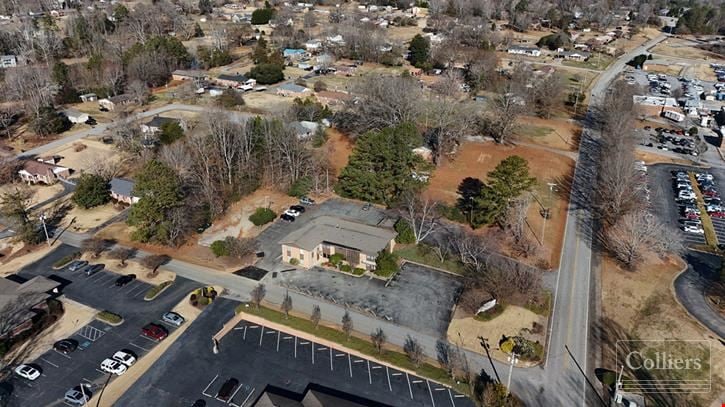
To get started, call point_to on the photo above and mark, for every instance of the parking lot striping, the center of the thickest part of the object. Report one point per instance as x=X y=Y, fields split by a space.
x=261 y=336
x=313 y=353
x=247 y=399
x=244 y=336
x=330 y=359
x=304 y=343
x=209 y=385
x=453 y=403
x=432 y=400
x=459 y=396
x=253 y=326
x=286 y=337
x=278 y=335
x=271 y=332
x=349 y=364
x=62 y=354
x=370 y=376
x=358 y=361
x=387 y=373
x=235 y=393
x=138 y=346
x=377 y=367
x=410 y=389
x=417 y=381
x=49 y=362
x=295 y=347
x=91 y=333
x=340 y=354
x=148 y=339
x=141 y=291
x=440 y=389
x=322 y=348
x=397 y=374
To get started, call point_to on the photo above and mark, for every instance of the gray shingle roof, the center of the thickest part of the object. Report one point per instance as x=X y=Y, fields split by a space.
x=291 y=87
x=365 y=238
x=122 y=187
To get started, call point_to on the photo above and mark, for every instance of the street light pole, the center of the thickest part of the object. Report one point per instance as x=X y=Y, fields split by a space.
x=45 y=229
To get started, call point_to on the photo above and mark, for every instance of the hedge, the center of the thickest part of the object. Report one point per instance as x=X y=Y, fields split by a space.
x=262 y=216
x=154 y=291
x=65 y=260
x=109 y=318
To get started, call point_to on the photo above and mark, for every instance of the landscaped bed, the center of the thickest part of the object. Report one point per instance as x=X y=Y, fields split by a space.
x=156 y=290
x=109 y=318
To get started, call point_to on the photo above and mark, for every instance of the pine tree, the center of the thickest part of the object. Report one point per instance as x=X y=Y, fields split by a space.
x=419 y=51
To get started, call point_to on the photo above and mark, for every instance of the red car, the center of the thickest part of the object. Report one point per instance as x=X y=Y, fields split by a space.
x=717 y=215
x=692 y=216
x=154 y=331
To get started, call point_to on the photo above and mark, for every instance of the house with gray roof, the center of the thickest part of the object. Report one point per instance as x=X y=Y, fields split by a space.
x=293 y=90
x=321 y=237
x=122 y=191
x=22 y=300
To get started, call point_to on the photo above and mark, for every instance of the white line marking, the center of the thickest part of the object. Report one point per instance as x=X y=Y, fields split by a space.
x=261 y=336
x=370 y=376
x=277 y=341
x=140 y=347
x=388 y=375
x=410 y=389
x=339 y=354
x=209 y=385
x=349 y=364
x=377 y=367
x=49 y=362
x=358 y=361
x=286 y=337
x=250 y=395
x=330 y=359
x=304 y=343
x=313 y=353
x=417 y=381
x=322 y=348
x=61 y=354
x=270 y=332
x=453 y=403
x=431 y=394
x=234 y=394
x=295 y=347
x=396 y=374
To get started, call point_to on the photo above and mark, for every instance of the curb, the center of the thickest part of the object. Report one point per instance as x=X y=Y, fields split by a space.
x=673 y=291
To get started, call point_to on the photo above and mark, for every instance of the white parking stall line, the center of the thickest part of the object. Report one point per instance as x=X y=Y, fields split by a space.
x=234 y=394
x=410 y=389
x=209 y=385
x=141 y=291
x=387 y=373
x=322 y=348
x=358 y=361
x=377 y=367
x=459 y=396
x=253 y=326
x=247 y=399
x=101 y=371
x=370 y=376
x=286 y=338
x=278 y=336
x=304 y=343
x=416 y=381
x=272 y=332
x=349 y=364
x=339 y=355
x=313 y=353
x=453 y=403
x=139 y=346
x=295 y=347
x=261 y=336
x=62 y=354
x=396 y=374
x=330 y=359
x=96 y=277
x=244 y=336
x=135 y=284
x=432 y=400
x=49 y=362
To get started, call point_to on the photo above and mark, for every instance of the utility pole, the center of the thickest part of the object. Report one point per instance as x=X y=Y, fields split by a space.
x=547 y=212
x=45 y=229
x=585 y=376
x=512 y=359
x=486 y=346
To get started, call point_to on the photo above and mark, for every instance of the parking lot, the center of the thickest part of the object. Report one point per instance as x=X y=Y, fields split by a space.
x=269 y=239
x=96 y=340
x=677 y=141
x=258 y=356
x=418 y=297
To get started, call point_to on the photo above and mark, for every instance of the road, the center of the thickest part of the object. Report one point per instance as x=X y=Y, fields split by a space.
x=99 y=129
x=563 y=383
x=690 y=286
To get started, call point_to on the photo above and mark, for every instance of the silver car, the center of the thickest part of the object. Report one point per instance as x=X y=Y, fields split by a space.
x=77 y=265
x=173 y=318
x=77 y=396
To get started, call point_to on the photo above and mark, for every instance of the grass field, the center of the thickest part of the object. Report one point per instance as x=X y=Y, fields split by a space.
x=418 y=254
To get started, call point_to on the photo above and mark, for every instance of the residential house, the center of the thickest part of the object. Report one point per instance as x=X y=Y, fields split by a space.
x=234 y=81
x=75 y=116
x=22 y=301
x=359 y=244
x=122 y=191
x=190 y=75
x=331 y=98
x=8 y=61
x=575 y=55
x=35 y=171
x=115 y=101
x=154 y=125
x=313 y=45
x=292 y=90
x=304 y=129
x=522 y=50
x=88 y=97
x=294 y=54
x=336 y=40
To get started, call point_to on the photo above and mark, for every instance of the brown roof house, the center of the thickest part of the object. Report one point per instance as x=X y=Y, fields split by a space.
x=359 y=244
x=113 y=102
x=21 y=301
x=314 y=395
x=34 y=172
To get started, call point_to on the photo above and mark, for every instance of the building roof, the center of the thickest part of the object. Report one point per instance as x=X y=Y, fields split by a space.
x=29 y=293
x=291 y=87
x=74 y=113
x=293 y=51
x=233 y=78
x=341 y=232
x=120 y=98
x=523 y=48
x=191 y=73
x=159 y=121
x=314 y=395
x=122 y=186
x=34 y=167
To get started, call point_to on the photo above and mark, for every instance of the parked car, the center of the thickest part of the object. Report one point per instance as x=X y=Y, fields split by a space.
x=113 y=366
x=125 y=356
x=154 y=331
x=91 y=270
x=27 y=372
x=298 y=208
x=693 y=229
x=66 y=346
x=290 y=212
x=718 y=215
x=287 y=218
x=684 y=194
x=77 y=396
x=692 y=215
x=307 y=201
x=199 y=403
x=225 y=392
x=77 y=265
x=123 y=280
x=173 y=318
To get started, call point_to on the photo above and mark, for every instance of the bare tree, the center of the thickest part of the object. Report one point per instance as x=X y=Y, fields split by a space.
x=413 y=350
x=138 y=91
x=153 y=262
x=8 y=116
x=638 y=232
x=286 y=305
x=421 y=214
x=94 y=245
x=32 y=86
x=257 y=294
x=444 y=354
x=347 y=324
x=472 y=250
x=378 y=338
x=121 y=254
x=504 y=111
x=516 y=223
x=316 y=316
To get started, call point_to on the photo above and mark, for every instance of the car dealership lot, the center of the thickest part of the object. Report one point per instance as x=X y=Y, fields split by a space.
x=257 y=356
x=97 y=340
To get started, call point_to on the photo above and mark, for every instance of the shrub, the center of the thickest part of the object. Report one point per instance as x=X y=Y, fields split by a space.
x=386 y=263
x=230 y=98
x=66 y=259
x=170 y=132
x=154 y=291
x=219 y=248
x=490 y=314
x=109 y=317
x=262 y=16
x=294 y=261
x=92 y=190
x=301 y=187
x=336 y=259
x=405 y=233
x=262 y=216
x=358 y=271
x=204 y=301
x=346 y=268
x=554 y=41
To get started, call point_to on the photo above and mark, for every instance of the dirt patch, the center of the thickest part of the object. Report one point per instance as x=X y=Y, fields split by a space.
x=667 y=69
x=476 y=159
x=641 y=305
x=121 y=384
x=18 y=255
x=84 y=160
x=267 y=102
x=558 y=133
x=654 y=158
x=339 y=148
x=132 y=267
x=465 y=330
x=682 y=48
x=84 y=219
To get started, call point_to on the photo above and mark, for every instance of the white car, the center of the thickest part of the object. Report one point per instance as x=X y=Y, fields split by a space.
x=693 y=229
x=686 y=195
x=27 y=372
x=113 y=366
x=173 y=318
x=292 y=212
x=124 y=357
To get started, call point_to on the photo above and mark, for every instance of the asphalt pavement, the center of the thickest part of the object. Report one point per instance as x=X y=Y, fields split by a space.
x=690 y=287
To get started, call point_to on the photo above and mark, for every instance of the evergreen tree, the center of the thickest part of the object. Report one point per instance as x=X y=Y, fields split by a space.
x=511 y=178
x=205 y=6
x=92 y=190
x=419 y=51
x=159 y=188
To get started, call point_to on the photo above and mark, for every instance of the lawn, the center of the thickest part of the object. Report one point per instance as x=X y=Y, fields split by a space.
x=355 y=343
x=599 y=62
x=419 y=254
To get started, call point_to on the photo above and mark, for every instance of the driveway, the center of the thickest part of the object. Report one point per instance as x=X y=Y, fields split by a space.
x=690 y=288
x=258 y=356
x=97 y=340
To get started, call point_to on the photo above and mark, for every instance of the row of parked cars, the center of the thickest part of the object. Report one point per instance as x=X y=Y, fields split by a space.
x=678 y=141
x=91 y=269
x=296 y=210
x=687 y=200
